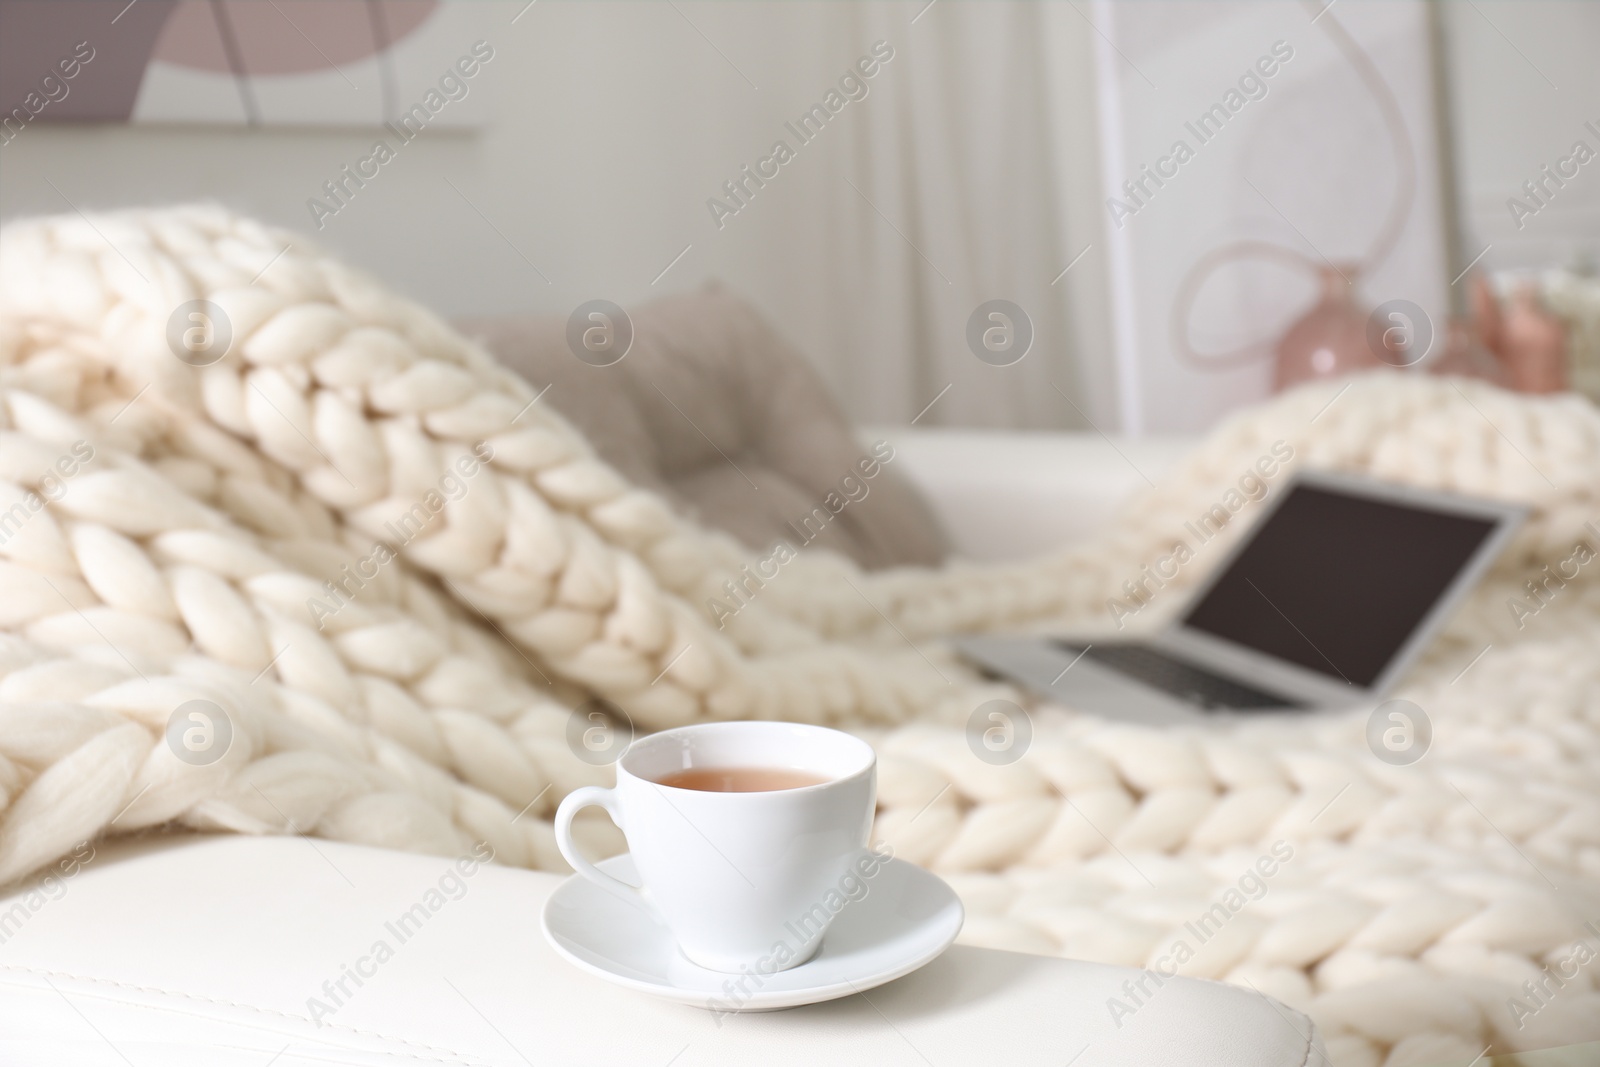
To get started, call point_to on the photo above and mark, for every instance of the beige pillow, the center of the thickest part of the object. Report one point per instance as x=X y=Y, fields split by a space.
x=713 y=410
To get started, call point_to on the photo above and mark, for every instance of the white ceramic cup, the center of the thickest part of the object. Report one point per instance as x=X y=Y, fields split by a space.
x=735 y=876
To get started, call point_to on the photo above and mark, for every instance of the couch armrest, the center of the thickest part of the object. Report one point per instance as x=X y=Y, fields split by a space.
x=241 y=947
x=1007 y=495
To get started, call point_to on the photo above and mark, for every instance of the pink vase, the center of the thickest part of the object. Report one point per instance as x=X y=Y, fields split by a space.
x=1534 y=344
x=1328 y=341
x=1487 y=321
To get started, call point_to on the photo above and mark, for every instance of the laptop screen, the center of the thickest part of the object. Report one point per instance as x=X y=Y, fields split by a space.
x=1336 y=582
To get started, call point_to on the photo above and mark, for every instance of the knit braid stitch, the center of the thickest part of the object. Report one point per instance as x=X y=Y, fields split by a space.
x=427 y=702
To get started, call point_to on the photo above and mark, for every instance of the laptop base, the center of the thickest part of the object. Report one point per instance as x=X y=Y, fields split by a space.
x=1070 y=673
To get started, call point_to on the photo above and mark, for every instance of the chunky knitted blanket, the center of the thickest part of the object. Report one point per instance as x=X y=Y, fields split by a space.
x=323 y=567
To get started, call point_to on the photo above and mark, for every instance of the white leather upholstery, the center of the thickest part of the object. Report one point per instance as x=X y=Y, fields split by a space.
x=1014 y=495
x=203 y=951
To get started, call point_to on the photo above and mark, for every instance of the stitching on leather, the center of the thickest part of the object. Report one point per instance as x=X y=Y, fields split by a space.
x=453 y=1056
x=1311 y=1026
x=1311 y=1038
x=1310 y=1035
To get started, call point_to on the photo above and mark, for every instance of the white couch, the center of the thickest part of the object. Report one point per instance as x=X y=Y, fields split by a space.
x=204 y=950
x=1013 y=495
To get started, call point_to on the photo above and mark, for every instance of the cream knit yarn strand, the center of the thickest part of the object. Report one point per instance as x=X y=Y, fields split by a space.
x=186 y=559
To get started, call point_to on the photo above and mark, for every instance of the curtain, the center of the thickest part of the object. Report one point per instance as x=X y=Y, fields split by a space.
x=965 y=175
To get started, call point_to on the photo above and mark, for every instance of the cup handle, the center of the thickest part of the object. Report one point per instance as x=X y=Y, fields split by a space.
x=575 y=802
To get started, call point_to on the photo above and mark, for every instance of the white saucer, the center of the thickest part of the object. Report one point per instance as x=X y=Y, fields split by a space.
x=907 y=918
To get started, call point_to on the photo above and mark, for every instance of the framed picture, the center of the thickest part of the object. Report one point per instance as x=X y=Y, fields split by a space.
x=238 y=62
x=1293 y=147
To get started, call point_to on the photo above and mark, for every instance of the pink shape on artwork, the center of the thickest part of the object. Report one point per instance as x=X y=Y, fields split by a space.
x=287 y=36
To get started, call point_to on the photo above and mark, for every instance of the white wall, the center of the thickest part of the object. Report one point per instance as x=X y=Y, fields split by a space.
x=1524 y=80
x=609 y=125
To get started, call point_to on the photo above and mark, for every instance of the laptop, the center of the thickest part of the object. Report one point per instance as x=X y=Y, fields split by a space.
x=1326 y=602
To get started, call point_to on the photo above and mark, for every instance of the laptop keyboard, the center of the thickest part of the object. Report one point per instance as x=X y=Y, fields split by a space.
x=1182 y=680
